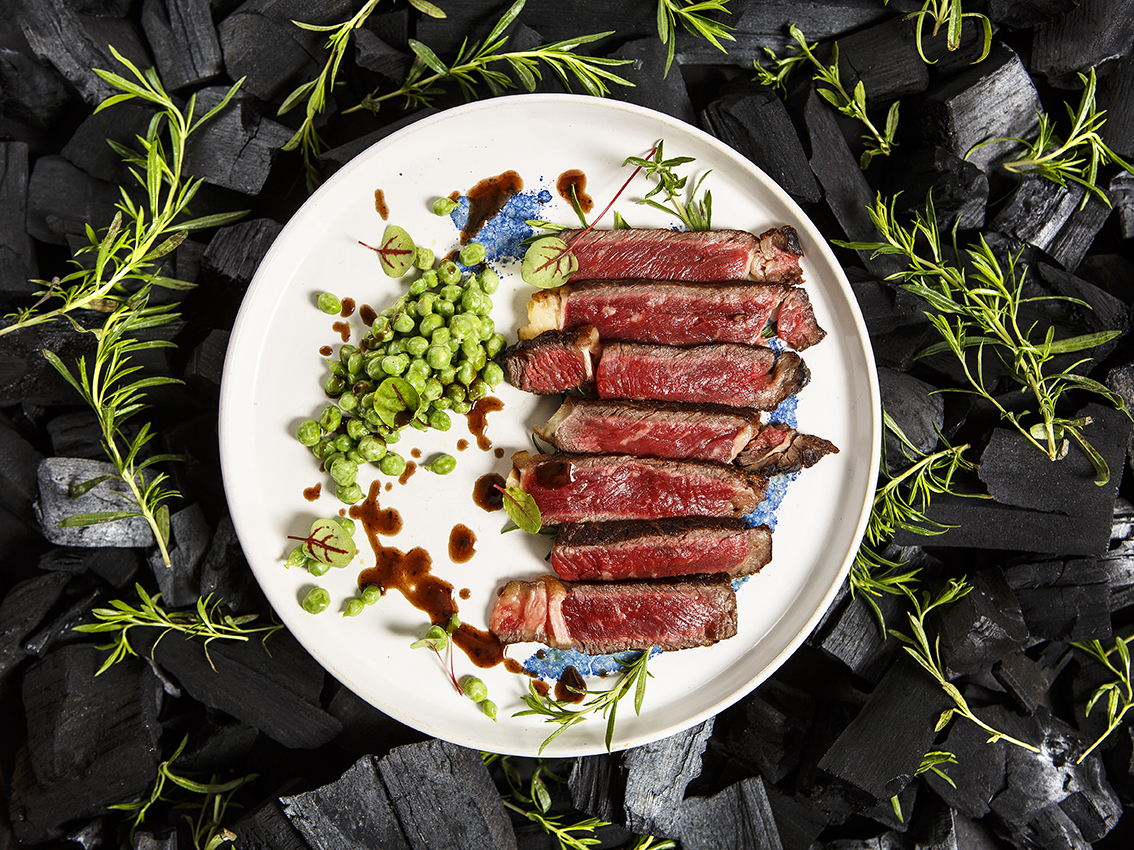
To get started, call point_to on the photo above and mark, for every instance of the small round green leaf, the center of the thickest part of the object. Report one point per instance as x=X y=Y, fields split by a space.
x=548 y=262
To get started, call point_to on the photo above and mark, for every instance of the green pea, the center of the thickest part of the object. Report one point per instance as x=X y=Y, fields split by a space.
x=445 y=308
x=478 y=389
x=416 y=345
x=441 y=336
x=323 y=448
x=495 y=345
x=472 y=254
x=416 y=380
x=403 y=323
x=396 y=346
x=493 y=374
x=486 y=329
x=418 y=424
x=448 y=272
x=439 y=420
x=489 y=281
x=344 y=471
x=451 y=292
x=354 y=607
x=335 y=367
x=461 y=406
x=392 y=436
x=333 y=385
x=474 y=688
x=354 y=457
x=438 y=356
x=348 y=494
x=394 y=364
x=348 y=401
x=308 y=433
x=345 y=523
x=444 y=206
x=392 y=464
x=343 y=443
x=430 y=324
x=423 y=258
x=425 y=308
x=346 y=351
x=317 y=567
x=296 y=557
x=466 y=373
x=371 y=594
x=447 y=375
x=472 y=301
x=443 y=464
x=418 y=287
x=470 y=346
x=329 y=303
x=331 y=418
x=371 y=448
x=489 y=709
x=433 y=389
x=354 y=365
x=441 y=403
x=356 y=429
x=316 y=600
x=373 y=368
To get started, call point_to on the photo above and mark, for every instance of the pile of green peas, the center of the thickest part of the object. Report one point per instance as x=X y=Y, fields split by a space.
x=440 y=338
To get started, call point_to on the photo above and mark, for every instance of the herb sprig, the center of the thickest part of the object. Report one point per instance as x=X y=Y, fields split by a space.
x=532 y=800
x=692 y=14
x=632 y=678
x=982 y=313
x=199 y=621
x=929 y=763
x=694 y=214
x=948 y=13
x=1119 y=692
x=471 y=67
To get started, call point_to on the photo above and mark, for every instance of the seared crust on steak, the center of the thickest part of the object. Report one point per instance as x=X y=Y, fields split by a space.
x=779 y=448
x=553 y=362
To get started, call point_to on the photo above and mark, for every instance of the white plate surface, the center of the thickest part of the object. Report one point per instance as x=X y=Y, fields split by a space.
x=272 y=382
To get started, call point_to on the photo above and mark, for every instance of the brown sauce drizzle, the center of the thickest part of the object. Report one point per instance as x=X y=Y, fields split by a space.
x=407 y=474
x=462 y=444
x=487 y=198
x=462 y=544
x=577 y=180
x=343 y=329
x=478 y=419
x=380 y=204
x=499 y=453
x=348 y=308
x=514 y=666
x=367 y=314
x=415 y=453
x=312 y=493
x=542 y=688
x=570 y=687
x=326 y=350
x=485 y=494
x=465 y=593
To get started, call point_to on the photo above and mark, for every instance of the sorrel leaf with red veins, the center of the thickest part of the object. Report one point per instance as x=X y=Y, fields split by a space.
x=328 y=543
x=522 y=510
x=548 y=262
x=395 y=251
x=394 y=396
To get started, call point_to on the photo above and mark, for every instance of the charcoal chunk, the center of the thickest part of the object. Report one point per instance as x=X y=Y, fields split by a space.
x=76 y=434
x=62 y=200
x=1028 y=680
x=61 y=629
x=1121 y=194
x=1092 y=33
x=766 y=728
x=17 y=256
x=374 y=54
x=180 y=579
x=352 y=812
x=856 y=640
x=959 y=188
x=919 y=412
x=206 y=364
x=656 y=777
x=1048 y=216
x=22 y=609
x=30 y=91
x=652 y=88
x=184 y=41
x=89 y=148
x=1026 y=14
x=225 y=573
x=739 y=816
x=57 y=476
x=267 y=828
x=235 y=252
x=217 y=743
x=366 y=730
x=444 y=797
x=114 y=566
x=1063 y=600
x=981 y=627
x=1103 y=311
x=979 y=773
x=884 y=58
x=596 y=784
x=19 y=465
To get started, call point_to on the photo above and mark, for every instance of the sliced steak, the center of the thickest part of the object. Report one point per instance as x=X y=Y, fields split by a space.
x=738 y=375
x=674 y=313
x=606 y=617
x=779 y=448
x=597 y=488
x=637 y=549
x=701 y=256
x=553 y=362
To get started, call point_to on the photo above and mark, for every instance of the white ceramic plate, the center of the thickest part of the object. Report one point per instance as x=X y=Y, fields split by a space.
x=274 y=372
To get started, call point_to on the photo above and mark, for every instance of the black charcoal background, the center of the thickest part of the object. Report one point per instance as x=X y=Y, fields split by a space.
x=811 y=757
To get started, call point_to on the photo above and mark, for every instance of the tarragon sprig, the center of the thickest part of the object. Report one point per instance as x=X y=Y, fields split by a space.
x=471 y=67
x=928 y=764
x=1119 y=693
x=981 y=314
x=199 y=621
x=694 y=214
x=1078 y=158
x=534 y=803
x=948 y=13
x=565 y=714
x=692 y=16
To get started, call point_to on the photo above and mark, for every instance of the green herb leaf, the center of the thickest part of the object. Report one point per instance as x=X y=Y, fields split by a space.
x=393 y=397
x=395 y=251
x=548 y=262
x=328 y=543
x=522 y=509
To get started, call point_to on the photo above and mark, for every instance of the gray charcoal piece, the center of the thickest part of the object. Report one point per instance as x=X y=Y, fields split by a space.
x=267 y=828
x=1121 y=194
x=767 y=728
x=61 y=629
x=1094 y=32
x=1063 y=600
x=76 y=434
x=856 y=639
x=57 y=475
x=180 y=580
x=737 y=818
x=235 y=252
x=33 y=93
x=77 y=44
x=919 y=411
x=351 y=813
x=656 y=777
x=88 y=147
x=332 y=160
x=22 y=610
x=235 y=149
x=373 y=54
x=884 y=58
x=148 y=841
x=18 y=265
x=205 y=365
x=652 y=87
x=184 y=41
x=1026 y=14
x=596 y=785
x=1115 y=95
x=91 y=835
x=1047 y=216
x=63 y=199
x=959 y=188
x=92 y=740
x=19 y=464
x=445 y=798
x=224 y=571
x=982 y=627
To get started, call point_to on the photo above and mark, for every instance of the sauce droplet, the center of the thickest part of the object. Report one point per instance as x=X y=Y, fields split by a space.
x=465 y=593
x=415 y=453
x=462 y=444
x=570 y=687
x=380 y=204
x=478 y=419
x=343 y=329
x=347 y=308
x=485 y=494
x=407 y=474
x=462 y=544
x=487 y=198
x=499 y=453
x=367 y=314
x=326 y=350
x=312 y=493
x=577 y=180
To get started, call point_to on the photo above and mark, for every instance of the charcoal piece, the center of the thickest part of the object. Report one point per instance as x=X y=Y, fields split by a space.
x=1121 y=194
x=1063 y=600
x=754 y=121
x=277 y=693
x=332 y=160
x=959 y=188
x=1104 y=312
x=62 y=200
x=656 y=777
x=205 y=365
x=19 y=462
x=352 y=812
x=373 y=54
x=179 y=580
x=217 y=744
x=88 y=147
x=61 y=629
x=1026 y=14
x=767 y=727
x=1017 y=474
x=444 y=797
x=739 y=816
x=947 y=828
x=76 y=44
x=981 y=627
x=884 y=813
x=799 y=818
x=91 y=835
x=184 y=41
x=235 y=252
x=1047 y=216
x=22 y=609
x=1093 y=32
x=652 y=88
x=92 y=740
x=116 y=567
x=987 y=101
x=32 y=93
x=1115 y=94
x=1112 y=273
x=235 y=149
x=366 y=730
x=148 y=841
x=884 y=58
x=18 y=265
x=225 y=573
x=267 y=828
x=856 y=639
x=844 y=186
x=57 y=475
x=260 y=42
x=597 y=786
x=883 y=746
x=76 y=434
x=979 y=772
x=919 y=411
x=1027 y=680
x=102 y=8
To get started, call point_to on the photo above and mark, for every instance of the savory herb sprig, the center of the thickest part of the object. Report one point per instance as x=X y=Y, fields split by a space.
x=694 y=214
x=830 y=88
x=948 y=13
x=471 y=67
x=199 y=621
x=928 y=764
x=125 y=258
x=532 y=800
x=1119 y=692
x=306 y=138
x=692 y=14
x=1078 y=158
x=980 y=313
x=632 y=678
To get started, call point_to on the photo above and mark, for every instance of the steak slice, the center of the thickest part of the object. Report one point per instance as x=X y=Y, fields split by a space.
x=739 y=375
x=637 y=549
x=651 y=429
x=597 y=488
x=699 y=256
x=605 y=617
x=553 y=362
x=674 y=313
x=779 y=448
